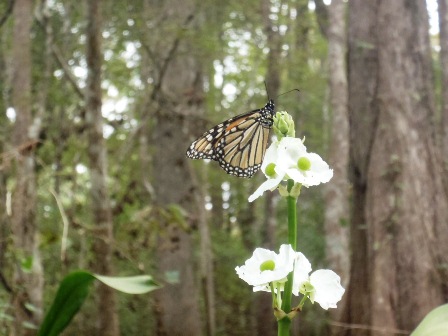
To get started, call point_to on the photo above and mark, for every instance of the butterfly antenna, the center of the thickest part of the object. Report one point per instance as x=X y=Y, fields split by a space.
x=267 y=92
x=287 y=92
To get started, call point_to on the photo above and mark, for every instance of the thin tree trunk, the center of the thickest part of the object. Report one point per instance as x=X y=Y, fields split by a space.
x=177 y=303
x=206 y=257
x=399 y=219
x=265 y=321
x=443 y=27
x=4 y=135
x=102 y=215
x=28 y=285
x=337 y=192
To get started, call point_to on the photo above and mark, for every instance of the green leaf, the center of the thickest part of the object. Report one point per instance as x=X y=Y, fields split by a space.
x=73 y=291
x=434 y=324
x=70 y=296
x=132 y=285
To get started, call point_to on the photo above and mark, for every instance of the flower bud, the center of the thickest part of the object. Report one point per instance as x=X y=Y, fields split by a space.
x=308 y=290
x=283 y=125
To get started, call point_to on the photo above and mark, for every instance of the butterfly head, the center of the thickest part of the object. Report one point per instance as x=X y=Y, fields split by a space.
x=270 y=106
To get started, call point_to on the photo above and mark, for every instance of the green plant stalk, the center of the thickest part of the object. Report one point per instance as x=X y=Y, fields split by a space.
x=285 y=323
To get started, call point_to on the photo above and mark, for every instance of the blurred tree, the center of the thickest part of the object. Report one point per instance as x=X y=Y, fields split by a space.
x=4 y=134
x=263 y=302
x=337 y=205
x=398 y=232
x=28 y=278
x=443 y=40
x=179 y=96
x=102 y=215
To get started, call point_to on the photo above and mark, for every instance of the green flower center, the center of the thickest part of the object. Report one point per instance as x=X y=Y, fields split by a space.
x=268 y=265
x=270 y=170
x=304 y=164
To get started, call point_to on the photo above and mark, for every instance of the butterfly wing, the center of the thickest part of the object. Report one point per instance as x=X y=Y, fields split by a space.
x=205 y=146
x=238 y=144
x=241 y=149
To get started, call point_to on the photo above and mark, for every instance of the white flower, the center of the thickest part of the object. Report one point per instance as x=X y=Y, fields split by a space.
x=327 y=288
x=323 y=286
x=302 y=269
x=266 y=266
x=288 y=159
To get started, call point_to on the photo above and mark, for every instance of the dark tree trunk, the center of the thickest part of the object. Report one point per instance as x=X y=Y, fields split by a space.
x=399 y=216
x=102 y=215
x=28 y=285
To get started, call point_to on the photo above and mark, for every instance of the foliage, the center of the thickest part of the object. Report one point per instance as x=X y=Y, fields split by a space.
x=73 y=291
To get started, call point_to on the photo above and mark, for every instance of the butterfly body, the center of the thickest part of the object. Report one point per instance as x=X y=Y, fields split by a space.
x=239 y=143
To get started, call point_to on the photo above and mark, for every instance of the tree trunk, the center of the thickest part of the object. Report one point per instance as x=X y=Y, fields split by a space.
x=102 y=215
x=5 y=267
x=28 y=284
x=265 y=321
x=443 y=27
x=177 y=303
x=399 y=216
x=206 y=257
x=337 y=191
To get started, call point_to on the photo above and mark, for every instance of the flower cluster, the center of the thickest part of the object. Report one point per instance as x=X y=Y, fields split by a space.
x=288 y=158
x=289 y=272
x=267 y=271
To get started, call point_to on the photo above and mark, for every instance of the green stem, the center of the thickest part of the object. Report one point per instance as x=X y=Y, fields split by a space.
x=285 y=323
x=274 y=297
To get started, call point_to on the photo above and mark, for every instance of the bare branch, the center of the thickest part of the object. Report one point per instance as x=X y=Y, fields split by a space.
x=68 y=73
x=60 y=59
x=170 y=56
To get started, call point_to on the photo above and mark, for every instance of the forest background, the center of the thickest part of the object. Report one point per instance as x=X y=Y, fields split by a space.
x=100 y=100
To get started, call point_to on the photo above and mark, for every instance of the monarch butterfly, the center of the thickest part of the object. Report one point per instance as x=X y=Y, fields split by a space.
x=239 y=143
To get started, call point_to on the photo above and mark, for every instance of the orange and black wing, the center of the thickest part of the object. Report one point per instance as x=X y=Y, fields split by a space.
x=238 y=144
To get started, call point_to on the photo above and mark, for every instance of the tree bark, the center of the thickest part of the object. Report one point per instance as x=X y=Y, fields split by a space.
x=399 y=216
x=28 y=285
x=5 y=267
x=102 y=215
x=206 y=257
x=337 y=191
x=443 y=38
x=177 y=303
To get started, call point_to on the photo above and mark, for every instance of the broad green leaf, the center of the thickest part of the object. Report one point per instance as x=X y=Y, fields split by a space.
x=70 y=296
x=73 y=291
x=139 y=284
x=434 y=324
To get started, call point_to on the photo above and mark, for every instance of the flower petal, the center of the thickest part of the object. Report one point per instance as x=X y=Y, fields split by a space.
x=302 y=268
x=269 y=184
x=328 y=289
x=318 y=173
x=289 y=151
x=255 y=276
